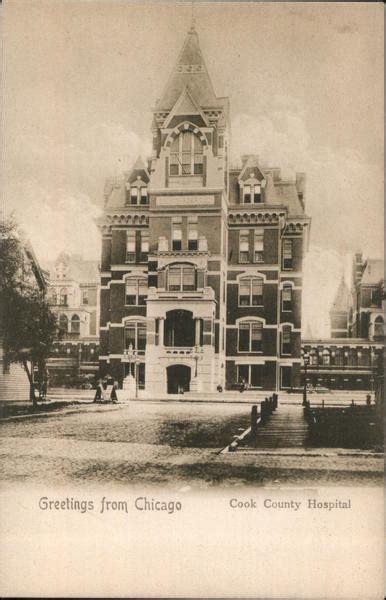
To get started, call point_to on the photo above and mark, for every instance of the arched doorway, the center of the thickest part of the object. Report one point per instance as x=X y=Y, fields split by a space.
x=178 y=377
x=179 y=328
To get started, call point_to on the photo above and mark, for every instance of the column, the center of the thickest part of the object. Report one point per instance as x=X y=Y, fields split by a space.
x=197 y=331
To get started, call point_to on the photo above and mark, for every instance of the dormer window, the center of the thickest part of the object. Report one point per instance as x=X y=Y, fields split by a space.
x=136 y=194
x=143 y=195
x=256 y=194
x=251 y=193
x=186 y=155
x=247 y=194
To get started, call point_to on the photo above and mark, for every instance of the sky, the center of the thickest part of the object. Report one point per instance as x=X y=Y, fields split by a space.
x=305 y=82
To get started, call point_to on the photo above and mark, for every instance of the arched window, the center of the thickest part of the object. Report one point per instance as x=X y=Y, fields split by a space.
x=63 y=297
x=286 y=340
x=250 y=336
x=181 y=277
x=251 y=291
x=75 y=324
x=378 y=327
x=135 y=335
x=53 y=297
x=136 y=291
x=186 y=155
x=326 y=357
x=63 y=323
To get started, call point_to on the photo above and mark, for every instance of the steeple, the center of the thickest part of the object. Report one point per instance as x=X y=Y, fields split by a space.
x=189 y=71
x=341 y=301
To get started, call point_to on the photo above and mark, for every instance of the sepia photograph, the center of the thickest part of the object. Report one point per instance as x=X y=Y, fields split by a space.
x=192 y=275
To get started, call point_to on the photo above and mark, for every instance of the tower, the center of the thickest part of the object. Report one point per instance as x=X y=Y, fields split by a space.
x=339 y=313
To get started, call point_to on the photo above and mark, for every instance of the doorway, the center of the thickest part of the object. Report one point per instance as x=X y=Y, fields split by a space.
x=178 y=377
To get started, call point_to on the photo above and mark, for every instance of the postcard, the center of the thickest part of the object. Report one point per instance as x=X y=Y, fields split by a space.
x=192 y=300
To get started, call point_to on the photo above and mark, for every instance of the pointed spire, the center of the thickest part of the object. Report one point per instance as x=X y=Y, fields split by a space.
x=190 y=70
x=341 y=301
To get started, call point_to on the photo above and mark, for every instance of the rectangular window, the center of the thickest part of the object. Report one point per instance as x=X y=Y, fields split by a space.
x=287 y=298
x=141 y=333
x=244 y=247
x=287 y=254
x=144 y=246
x=192 y=239
x=144 y=199
x=285 y=377
x=250 y=337
x=257 y=292
x=130 y=335
x=258 y=246
x=186 y=154
x=244 y=292
x=85 y=297
x=142 y=291
x=134 y=195
x=174 y=279
x=256 y=375
x=244 y=337
x=177 y=239
x=250 y=374
x=256 y=337
x=256 y=194
x=247 y=194
x=188 y=277
x=135 y=335
x=286 y=340
x=130 y=246
x=243 y=375
x=131 y=292
x=174 y=164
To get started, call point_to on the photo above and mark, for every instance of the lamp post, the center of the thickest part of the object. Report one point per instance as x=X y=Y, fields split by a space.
x=306 y=362
x=132 y=356
x=197 y=354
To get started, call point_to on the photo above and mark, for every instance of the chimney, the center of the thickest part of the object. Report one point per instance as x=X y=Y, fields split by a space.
x=301 y=184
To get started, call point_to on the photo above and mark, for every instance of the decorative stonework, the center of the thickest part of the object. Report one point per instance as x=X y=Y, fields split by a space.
x=254 y=216
x=110 y=220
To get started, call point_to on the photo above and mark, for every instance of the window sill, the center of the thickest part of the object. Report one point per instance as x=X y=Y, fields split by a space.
x=251 y=306
x=250 y=352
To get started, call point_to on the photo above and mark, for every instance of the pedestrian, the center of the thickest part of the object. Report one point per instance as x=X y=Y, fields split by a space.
x=99 y=392
x=113 y=396
x=368 y=399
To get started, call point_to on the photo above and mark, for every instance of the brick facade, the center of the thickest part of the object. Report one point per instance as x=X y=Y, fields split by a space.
x=201 y=270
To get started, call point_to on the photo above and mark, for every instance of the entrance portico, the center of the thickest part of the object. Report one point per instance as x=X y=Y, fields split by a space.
x=180 y=353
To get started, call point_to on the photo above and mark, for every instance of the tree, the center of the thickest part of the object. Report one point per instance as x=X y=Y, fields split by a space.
x=28 y=326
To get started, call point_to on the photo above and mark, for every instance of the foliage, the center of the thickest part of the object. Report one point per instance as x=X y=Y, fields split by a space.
x=28 y=326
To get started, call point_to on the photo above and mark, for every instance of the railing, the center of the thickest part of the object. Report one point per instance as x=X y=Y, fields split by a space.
x=267 y=407
x=179 y=351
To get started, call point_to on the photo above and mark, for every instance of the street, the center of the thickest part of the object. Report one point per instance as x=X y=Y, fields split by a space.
x=174 y=444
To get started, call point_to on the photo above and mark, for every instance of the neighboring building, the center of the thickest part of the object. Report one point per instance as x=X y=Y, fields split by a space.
x=366 y=315
x=351 y=359
x=74 y=298
x=342 y=363
x=201 y=261
x=14 y=383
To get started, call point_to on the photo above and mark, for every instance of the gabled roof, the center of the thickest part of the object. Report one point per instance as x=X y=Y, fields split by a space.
x=139 y=170
x=341 y=301
x=186 y=106
x=374 y=272
x=190 y=69
x=251 y=167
